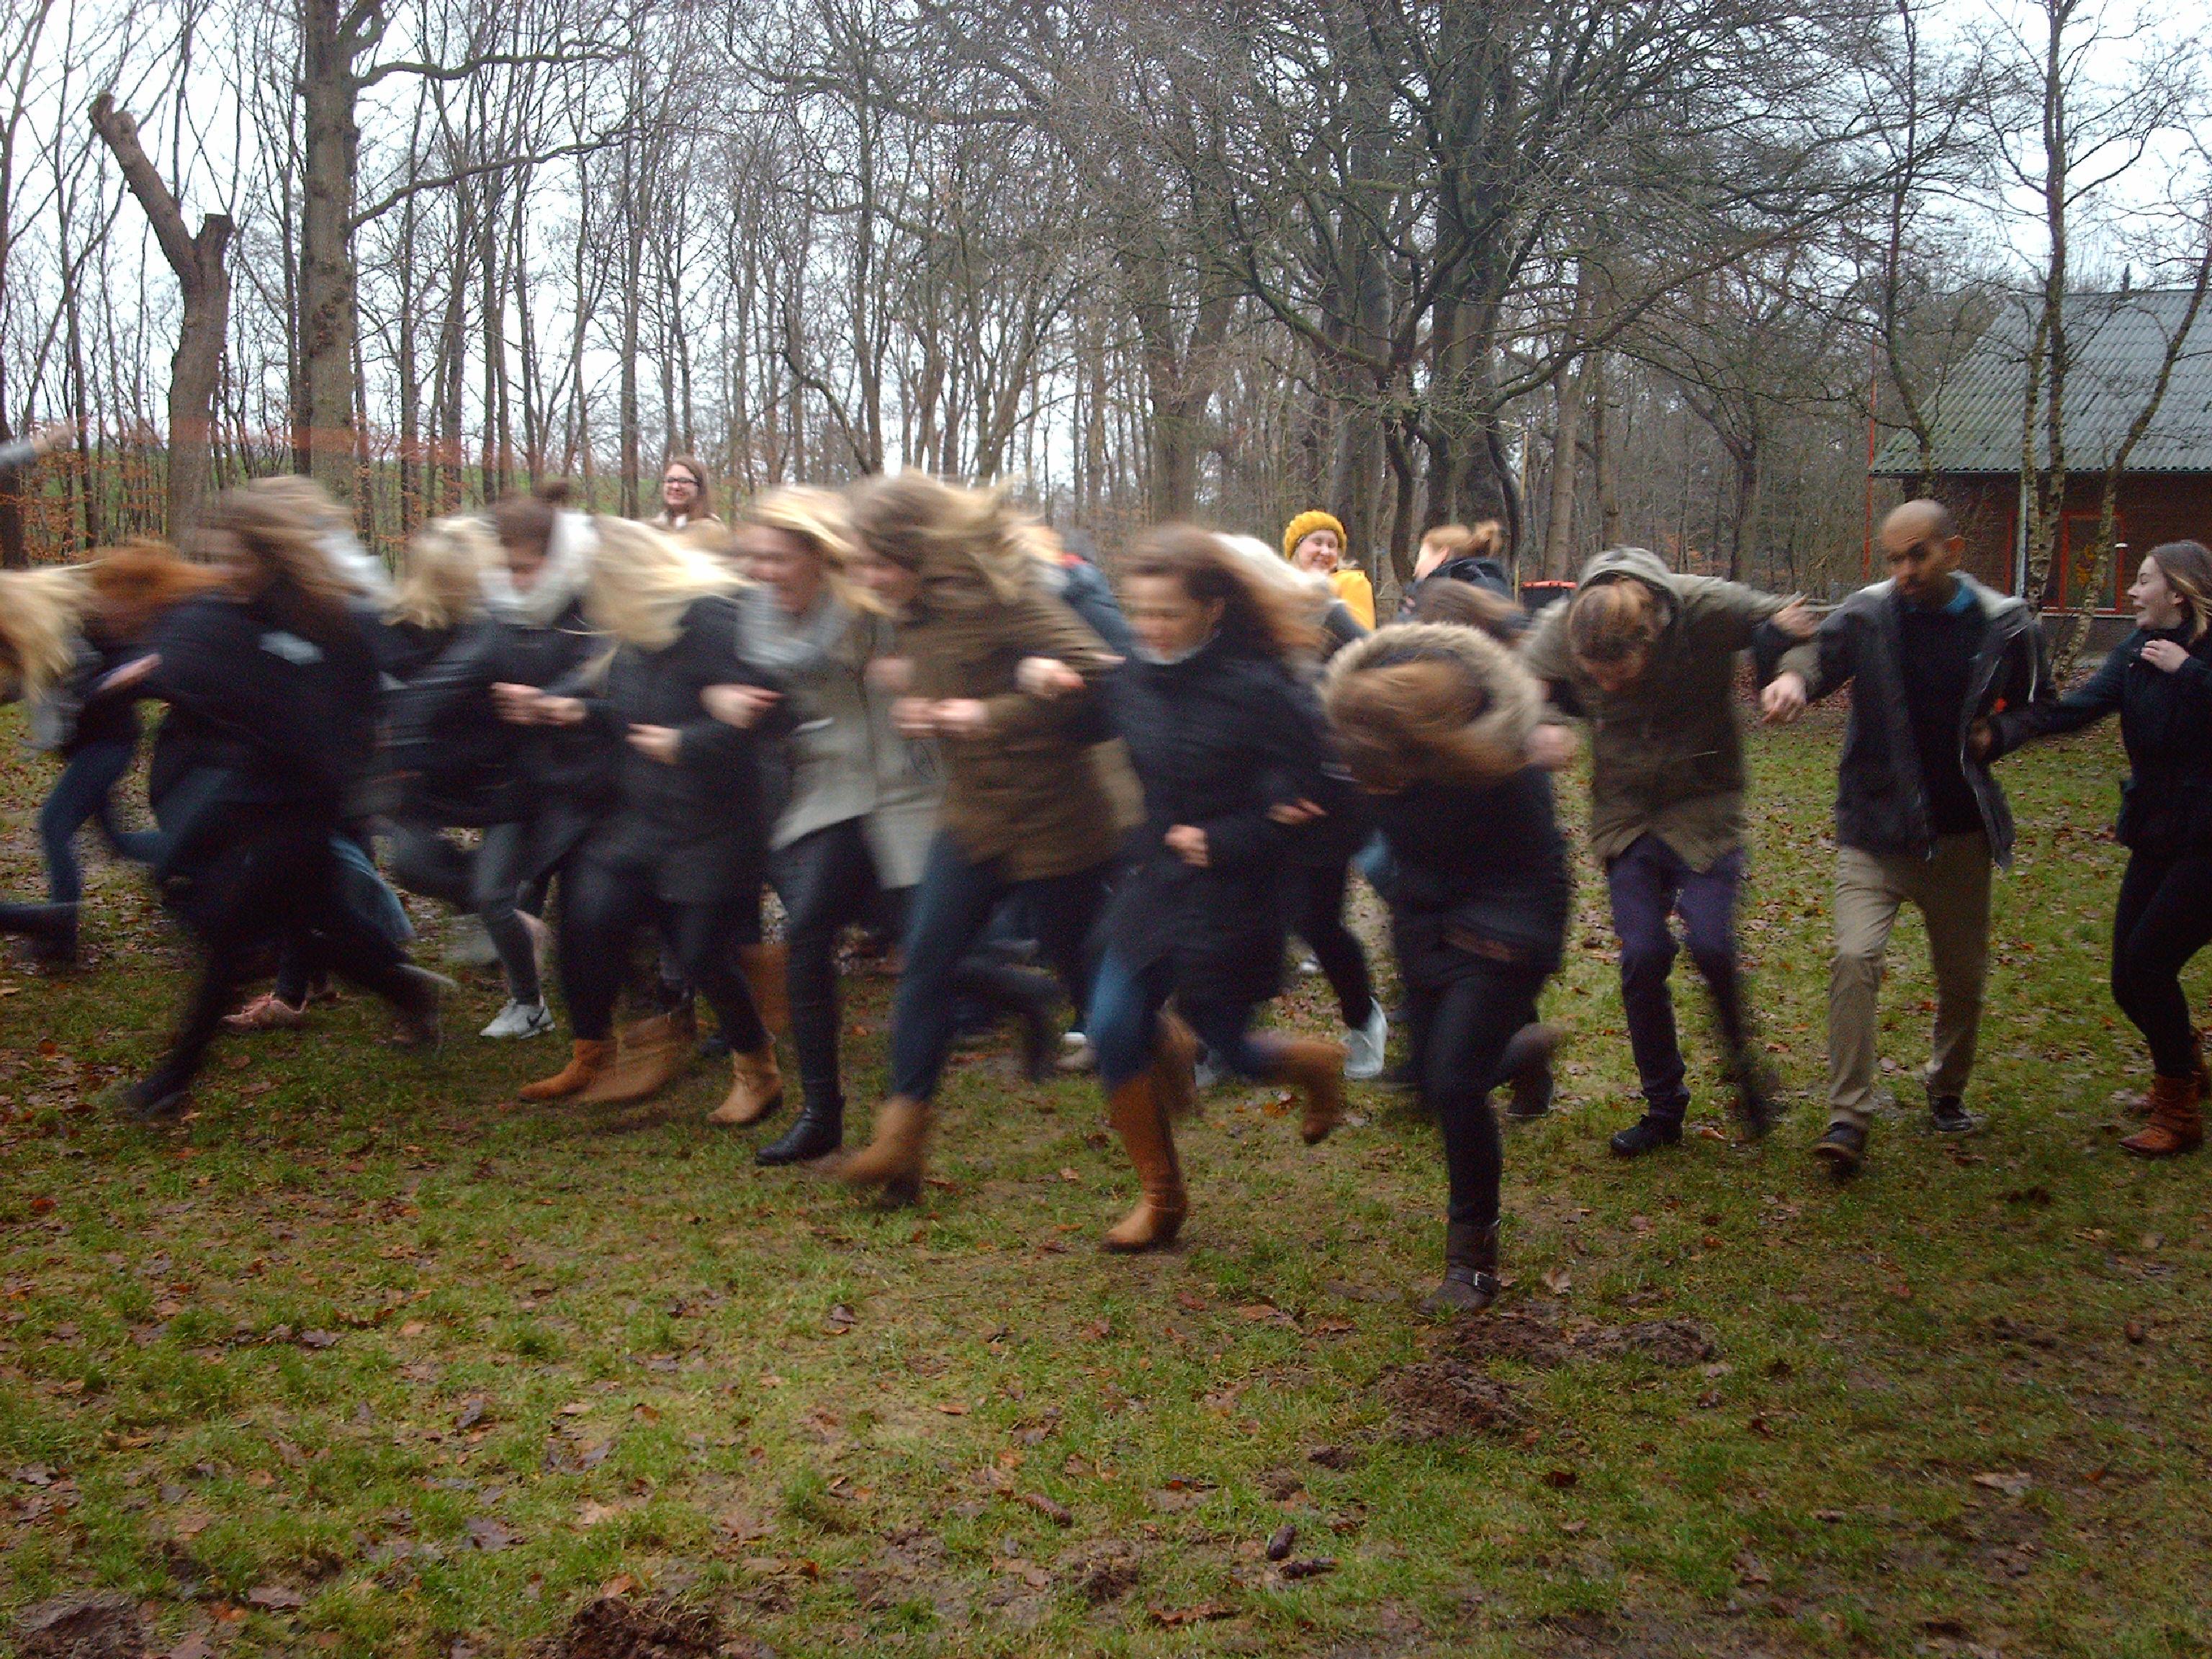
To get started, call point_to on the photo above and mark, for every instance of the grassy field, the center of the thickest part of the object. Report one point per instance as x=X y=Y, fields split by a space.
x=364 y=1359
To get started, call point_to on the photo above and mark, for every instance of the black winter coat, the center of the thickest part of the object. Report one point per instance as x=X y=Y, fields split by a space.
x=454 y=755
x=564 y=776
x=700 y=824
x=1474 y=875
x=261 y=723
x=1881 y=803
x=1216 y=739
x=2165 y=721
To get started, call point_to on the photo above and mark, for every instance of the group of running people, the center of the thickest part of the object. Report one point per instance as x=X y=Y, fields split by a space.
x=909 y=708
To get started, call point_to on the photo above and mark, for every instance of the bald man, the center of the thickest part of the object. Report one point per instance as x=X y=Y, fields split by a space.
x=1918 y=820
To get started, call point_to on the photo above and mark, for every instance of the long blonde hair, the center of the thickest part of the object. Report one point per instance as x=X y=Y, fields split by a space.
x=817 y=517
x=279 y=524
x=945 y=533
x=643 y=579
x=442 y=586
x=40 y=613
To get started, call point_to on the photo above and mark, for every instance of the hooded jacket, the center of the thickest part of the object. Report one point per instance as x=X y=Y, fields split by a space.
x=1026 y=792
x=1881 y=803
x=1478 y=869
x=1217 y=738
x=1666 y=757
x=2165 y=721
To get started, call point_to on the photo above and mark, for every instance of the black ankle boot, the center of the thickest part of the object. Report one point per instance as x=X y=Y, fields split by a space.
x=1470 y=1270
x=818 y=1131
x=1647 y=1134
x=1032 y=998
x=51 y=929
x=1756 y=1108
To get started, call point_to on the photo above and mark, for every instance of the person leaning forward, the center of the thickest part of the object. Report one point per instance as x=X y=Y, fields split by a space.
x=1930 y=653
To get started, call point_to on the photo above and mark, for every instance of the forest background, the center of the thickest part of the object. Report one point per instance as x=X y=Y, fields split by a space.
x=1660 y=271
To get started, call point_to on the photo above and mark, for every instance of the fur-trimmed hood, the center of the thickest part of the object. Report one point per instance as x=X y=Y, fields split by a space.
x=1377 y=710
x=567 y=571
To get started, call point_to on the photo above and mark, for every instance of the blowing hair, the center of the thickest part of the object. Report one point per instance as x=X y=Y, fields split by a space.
x=525 y=523
x=1447 y=541
x=703 y=506
x=293 y=582
x=939 y=530
x=644 y=580
x=2187 y=568
x=818 y=518
x=39 y=612
x=1430 y=703
x=1465 y=605
x=1610 y=622
x=136 y=581
x=1256 y=615
x=442 y=586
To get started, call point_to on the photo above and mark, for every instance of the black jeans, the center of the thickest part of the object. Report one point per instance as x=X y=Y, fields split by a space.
x=1467 y=1023
x=1650 y=882
x=1313 y=906
x=2164 y=917
x=826 y=880
x=604 y=906
x=266 y=877
x=951 y=909
x=487 y=881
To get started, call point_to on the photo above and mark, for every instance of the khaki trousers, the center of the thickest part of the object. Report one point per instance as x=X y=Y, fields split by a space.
x=1951 y=891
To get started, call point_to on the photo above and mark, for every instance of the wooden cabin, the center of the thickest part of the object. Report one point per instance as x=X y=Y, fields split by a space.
x=2118 y=342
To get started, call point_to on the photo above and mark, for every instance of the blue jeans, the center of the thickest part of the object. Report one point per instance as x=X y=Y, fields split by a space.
x=79 y=796
x=953 y=905
x=1647 y=884
x=1124 y=1013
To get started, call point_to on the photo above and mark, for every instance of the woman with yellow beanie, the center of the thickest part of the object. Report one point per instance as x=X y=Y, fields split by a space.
x=1314 y=542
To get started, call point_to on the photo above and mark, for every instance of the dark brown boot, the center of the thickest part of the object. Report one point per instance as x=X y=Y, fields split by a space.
x=1470 y=1282
x=1141 y=1121
x=895 y=1158
x=586 y=1059
x=765 y=968
x=2177 y=1120
x=1316 y=1070
x=649 y=1055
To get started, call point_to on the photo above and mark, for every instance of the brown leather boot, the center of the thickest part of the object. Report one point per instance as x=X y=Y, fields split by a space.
x=756 y=1088
x=2177 y=1120
x=586 y=1059
x=1141 y=1120
x=649 y=1055
x=765 y=968
x=1175 y=1058
x=1317 y=1070
x=894 y=1157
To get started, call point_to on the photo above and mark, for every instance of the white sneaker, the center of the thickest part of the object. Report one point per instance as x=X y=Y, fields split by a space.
x=1206 y=1073
x=1363 y=1048
x=519 y=1019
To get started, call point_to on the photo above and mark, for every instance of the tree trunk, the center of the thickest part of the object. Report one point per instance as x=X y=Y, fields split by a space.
x=1559 y=525
x=1601 y=458
x=197 y=261
x=323 y=425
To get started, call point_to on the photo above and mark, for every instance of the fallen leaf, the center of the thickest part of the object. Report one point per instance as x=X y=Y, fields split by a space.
x=1280 y=1542
x=621 y=1584
x=2135 y=1331
x=318 y=1338
x=472 y=1413
x=1561 y=1479
x=644 y=1414
x=1558 y=1280
x=575 y=1408
x=275 y=1595
x=2012 y=1483
x=841 y=1319
x=1059 y=1514
x=195 y=1646
x=594 y=1513
x=1313 y=1567
x=489 y=1535
x=1198 y=1613
x=413 y=1327
x=953 y=1409
x=1191 y=1301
